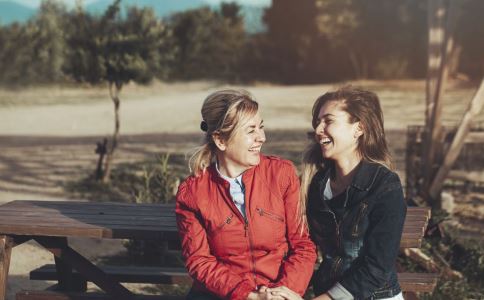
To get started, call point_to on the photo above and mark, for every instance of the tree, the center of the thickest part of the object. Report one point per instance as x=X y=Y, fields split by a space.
x=130 y=53
x=210 y=43
x=117 y=50
x=296 y=49
x=35 y=52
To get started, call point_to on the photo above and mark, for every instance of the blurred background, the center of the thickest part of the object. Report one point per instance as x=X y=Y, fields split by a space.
x=100 y=101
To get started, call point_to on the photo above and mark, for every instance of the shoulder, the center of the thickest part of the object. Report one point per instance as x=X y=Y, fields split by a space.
x=189 y=185
x=387 y=179
x=276 y=163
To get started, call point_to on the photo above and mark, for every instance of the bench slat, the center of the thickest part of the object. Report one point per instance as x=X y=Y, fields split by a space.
x=52 y=295
x=124 y=274
x=418 y=282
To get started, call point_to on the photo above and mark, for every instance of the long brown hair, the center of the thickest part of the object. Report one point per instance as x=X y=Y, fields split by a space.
x=362 y=106
x=223 y=112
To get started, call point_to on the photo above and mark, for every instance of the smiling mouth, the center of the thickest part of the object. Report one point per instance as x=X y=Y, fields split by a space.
x=325 y=141
x=255 y=149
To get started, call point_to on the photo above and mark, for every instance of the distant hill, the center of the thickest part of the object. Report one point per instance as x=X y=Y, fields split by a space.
x=14 y=12
x=161 y=8
x=11 y=11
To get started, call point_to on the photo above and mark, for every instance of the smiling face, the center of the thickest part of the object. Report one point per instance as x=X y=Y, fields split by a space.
x=336 y=135
x=242 y=150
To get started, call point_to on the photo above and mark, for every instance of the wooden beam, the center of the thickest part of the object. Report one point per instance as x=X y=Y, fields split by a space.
x=438 y=11
x=84 y=266
x=6 y=244
x=475 y=107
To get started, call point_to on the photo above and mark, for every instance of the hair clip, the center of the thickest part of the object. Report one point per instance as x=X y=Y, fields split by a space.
x=203 y=126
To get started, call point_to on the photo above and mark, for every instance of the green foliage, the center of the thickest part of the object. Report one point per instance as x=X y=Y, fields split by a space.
x=210 y=43
x=340 y=39
x=153 y=181
x=159 y=184
x=35 y=52
x=306 y=41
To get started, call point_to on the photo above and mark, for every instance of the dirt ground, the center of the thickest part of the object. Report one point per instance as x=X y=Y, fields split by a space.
x=48 y=136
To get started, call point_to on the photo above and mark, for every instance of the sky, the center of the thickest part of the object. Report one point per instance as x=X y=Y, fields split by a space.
x=70 y=3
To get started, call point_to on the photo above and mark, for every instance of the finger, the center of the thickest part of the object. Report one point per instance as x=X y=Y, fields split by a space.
x=263 y=289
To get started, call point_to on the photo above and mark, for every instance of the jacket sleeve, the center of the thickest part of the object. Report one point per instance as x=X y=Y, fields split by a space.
x=201 y=264
x=297 y=268
x=382 y=243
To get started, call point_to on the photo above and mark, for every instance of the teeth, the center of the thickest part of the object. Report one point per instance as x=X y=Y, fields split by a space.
x=255 y=149
x=325 y=141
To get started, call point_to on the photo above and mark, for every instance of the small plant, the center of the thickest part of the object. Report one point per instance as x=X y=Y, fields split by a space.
x=158 y=182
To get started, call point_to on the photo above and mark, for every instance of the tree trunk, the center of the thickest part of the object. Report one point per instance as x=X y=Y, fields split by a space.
x=114 y=90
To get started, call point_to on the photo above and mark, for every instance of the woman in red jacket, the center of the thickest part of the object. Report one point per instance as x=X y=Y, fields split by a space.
x=237 y=213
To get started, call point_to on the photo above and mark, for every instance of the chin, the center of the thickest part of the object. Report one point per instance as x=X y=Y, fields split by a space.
x=254 y=161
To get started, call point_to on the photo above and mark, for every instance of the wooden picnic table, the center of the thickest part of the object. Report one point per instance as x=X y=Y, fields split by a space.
x=50 y=223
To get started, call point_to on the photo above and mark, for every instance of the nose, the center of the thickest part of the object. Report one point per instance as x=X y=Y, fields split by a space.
x=320 y=128
x=261 y=136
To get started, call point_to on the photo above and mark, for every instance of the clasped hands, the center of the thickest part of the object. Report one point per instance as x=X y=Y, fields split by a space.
x=276 y=293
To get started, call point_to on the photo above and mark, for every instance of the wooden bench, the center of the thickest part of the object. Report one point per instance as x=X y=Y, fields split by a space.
x=52 y=295
x=414 y=228
x=131 y=274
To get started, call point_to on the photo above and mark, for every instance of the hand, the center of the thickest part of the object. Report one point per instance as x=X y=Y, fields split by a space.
x=263 y=294
x=323 y=297
x=284 y=292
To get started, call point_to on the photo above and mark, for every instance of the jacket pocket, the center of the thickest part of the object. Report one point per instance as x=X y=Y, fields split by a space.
x=219 y=227
x=358 y=224
x=265 y=213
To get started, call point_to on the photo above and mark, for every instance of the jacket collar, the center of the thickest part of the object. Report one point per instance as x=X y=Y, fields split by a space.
x=361 y=183
x=366 y=175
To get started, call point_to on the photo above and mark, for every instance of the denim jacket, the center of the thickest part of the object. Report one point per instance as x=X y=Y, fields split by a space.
x=360 y=251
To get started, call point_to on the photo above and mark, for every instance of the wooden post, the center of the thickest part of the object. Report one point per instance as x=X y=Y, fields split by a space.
x=474 y=108
x=443 y=27
x=436 y=39
x=6 y=245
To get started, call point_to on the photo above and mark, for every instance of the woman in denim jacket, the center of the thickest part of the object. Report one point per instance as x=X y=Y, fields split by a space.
x=353 y=201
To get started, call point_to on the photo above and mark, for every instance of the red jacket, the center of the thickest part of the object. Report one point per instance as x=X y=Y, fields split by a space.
x=229 y=256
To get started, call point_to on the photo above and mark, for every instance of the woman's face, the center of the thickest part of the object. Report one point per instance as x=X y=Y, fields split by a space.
x=337 y=137
x=243 y=150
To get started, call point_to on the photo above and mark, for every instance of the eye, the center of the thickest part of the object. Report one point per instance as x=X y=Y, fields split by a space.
x=261 y=127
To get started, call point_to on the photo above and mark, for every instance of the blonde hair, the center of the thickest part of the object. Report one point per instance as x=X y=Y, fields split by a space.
x=362 y=106
x=223 y=113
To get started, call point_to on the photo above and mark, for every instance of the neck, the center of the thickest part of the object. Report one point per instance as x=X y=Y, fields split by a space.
x=345 y=170
x=228 y=169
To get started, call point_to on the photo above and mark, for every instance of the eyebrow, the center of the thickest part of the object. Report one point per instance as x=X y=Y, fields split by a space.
x=254 y=126
x=326 y=115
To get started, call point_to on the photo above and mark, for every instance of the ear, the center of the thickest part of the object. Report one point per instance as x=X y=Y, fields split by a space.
x=219 y=142
x=358 y=130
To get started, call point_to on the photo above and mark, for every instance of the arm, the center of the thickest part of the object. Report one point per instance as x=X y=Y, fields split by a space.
x=382 y=243
x=297 y=269
x=201 y=265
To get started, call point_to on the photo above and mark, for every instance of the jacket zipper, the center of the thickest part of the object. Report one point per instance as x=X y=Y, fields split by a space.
x=273 y=216
x=360 y=215
x=247 y=233
x=335 y=267
x=227 y=221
